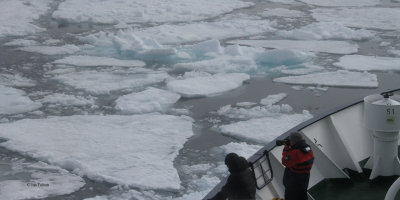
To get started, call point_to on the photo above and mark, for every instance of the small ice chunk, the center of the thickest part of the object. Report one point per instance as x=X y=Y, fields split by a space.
x=242 y=149
x=106 y=82
x=14 y=101
x=335 y=47
x=283 y=1
x=326 y=31
x=245 y=104
x=52 y=50
x=273 y=99
x=22 y=43
x=209 y=46
x=93 y=61
x=360 y=17
x=339 y=78
x=282 y=12
x=205 y=86
x=264 y=130
x=368 y=63
x=66 y=100
x=340 y=3
x=150 y=100
x=16 y=81
x=137 y=151
x=254 y=112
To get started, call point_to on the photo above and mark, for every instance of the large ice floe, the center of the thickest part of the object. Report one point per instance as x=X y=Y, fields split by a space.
x=340 y=3
x=95 y=61
x=326 y=31
x=44 y=181
x=339 y=78
x=16 y=80
x=335 y=47
x=104 y=82
x=360 y=17
x=126 y=11
x=136 y=150
x=254 y=112
x=17 y=16
x=52 y=50
x=149 y=100
x=206 y=85
x=368 y=63
x=265 y=129
x=14 y=101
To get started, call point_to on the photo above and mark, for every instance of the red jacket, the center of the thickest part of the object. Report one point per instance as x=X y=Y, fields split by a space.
x=299 y=158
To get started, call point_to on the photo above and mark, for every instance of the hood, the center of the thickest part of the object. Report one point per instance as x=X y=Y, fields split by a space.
x=236 y=163
x=302 y=146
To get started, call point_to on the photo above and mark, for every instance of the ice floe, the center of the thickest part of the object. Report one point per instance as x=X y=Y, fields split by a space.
x=254 y=112
x=284 y=57
x=16 y=81
x=340 y=3
x=14 y=101
x=242 y=149
x=210 y=85
x=52 y=50
x=368 y=63
x=45 y=181
x=360 y=17
x=139 y=11
x=105 y=82
x=93 y=61
x=335 y=47
x=149 y=100
x=136 y=150
x=17 y=16
x=67 y=100
x=264 y=130
x=326 y=31
x=194 y=32
x=339 y=78
x=282 y=12
x=273 y=99
x=22 y=43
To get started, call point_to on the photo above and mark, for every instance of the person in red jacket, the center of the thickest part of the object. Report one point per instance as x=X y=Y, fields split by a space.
x=298 y=159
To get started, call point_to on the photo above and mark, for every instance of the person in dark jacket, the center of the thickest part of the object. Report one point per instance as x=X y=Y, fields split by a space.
x=240 y=184
x=298 y=159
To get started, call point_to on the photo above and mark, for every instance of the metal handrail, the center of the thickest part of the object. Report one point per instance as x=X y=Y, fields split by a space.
x=266 y=179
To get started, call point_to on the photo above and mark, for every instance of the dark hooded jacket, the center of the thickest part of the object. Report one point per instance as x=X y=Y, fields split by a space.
x=240 y=184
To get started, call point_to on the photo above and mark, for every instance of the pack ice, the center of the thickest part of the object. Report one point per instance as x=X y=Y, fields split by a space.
x=14 y=101
x=136 y=150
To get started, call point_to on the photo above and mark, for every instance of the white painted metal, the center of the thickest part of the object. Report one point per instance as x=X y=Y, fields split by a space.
x=393 y=190
x=382 y=115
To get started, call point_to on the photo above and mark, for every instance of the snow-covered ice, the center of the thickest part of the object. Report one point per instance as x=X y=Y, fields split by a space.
x=335 y=47
x=105 y=82
x=136 y=150
x=52 y=50
x=361 y=17
x=326 y=31
x=273 y=99
x=67 y=100
x=22 y=43
x=340 y=3
x=93 y=61
x=282 y=12
x=14 y=101
x=139 y=11
x=193 y=32
x=16 y=81
x=149 y=100
x=264 y=130
x=53 y=181
x=254 y=112
x=368 y=63
x=204 y=86
x=17 y=16
x=339 y=78
x=242 y=149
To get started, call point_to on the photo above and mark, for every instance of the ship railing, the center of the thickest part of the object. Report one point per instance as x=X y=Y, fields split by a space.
x=262 y=170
